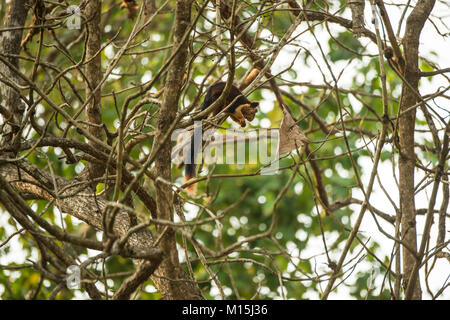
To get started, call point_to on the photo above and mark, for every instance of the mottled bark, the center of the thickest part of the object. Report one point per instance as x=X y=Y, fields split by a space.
x=406 y=125
x=134 y=282
x=170 y=267
x=29 y=179
x=12 y=106
x=94 y=77
x=357 y=8
x=18 y=208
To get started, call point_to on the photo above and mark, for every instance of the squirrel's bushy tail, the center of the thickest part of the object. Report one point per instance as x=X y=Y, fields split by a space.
x=190 y=165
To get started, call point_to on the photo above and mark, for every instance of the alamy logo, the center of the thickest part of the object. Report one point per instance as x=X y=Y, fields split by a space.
x=259 y=146
x=73 y=279
x=74 y=19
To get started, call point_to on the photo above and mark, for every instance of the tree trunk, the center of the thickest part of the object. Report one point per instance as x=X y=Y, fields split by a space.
x=93 y=79
x=406 y=125
x=9 y=97
x=170 y=266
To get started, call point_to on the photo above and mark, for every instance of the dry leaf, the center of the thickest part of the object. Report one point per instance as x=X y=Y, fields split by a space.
x=291 y=137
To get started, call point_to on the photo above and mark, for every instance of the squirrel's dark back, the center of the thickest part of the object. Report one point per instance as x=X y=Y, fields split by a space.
x=214 y=93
